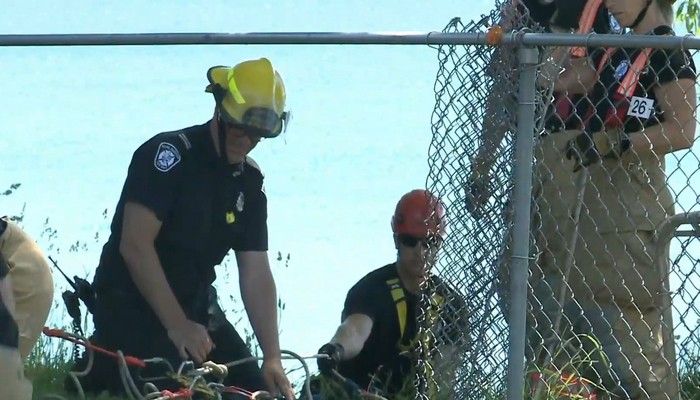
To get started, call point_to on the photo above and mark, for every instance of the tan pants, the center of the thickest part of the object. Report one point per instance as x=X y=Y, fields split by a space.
x=613 y=291
x=32 y=285
x=13 y=384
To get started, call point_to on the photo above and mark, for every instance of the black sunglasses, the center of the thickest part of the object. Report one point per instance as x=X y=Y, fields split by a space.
x=412 y=241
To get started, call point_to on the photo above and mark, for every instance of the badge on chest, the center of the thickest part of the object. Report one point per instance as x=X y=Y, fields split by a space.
x=231 y=215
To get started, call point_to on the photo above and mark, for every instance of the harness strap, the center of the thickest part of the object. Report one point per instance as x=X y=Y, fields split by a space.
x=399 y=297
x=615 y=116
x=585 y=24
x=629 y=84
x=437 y=302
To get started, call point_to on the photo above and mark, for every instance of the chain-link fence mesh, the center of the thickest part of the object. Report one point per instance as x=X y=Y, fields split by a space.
x=471 y=154
x=610 y=308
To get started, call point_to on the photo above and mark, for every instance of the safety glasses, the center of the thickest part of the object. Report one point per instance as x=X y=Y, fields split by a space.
x=260 y=122
x=427 y=242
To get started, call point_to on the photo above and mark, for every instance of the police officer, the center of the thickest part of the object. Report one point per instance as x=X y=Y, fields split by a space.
x=378 y=340
x=189 y=197
x=645 y=103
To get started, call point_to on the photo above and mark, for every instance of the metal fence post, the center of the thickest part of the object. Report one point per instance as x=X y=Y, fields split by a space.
x=528 y=60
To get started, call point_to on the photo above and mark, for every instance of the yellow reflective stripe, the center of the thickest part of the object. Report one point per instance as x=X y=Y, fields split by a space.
x=399 y=297
x=233 y=88
x=436 y=304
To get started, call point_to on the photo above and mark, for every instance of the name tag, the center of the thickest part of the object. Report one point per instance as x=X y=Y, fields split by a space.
x=641 y=107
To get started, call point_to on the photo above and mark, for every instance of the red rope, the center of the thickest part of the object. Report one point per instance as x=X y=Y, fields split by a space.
x=133 y=361
x=180 y=394
x=237 y=390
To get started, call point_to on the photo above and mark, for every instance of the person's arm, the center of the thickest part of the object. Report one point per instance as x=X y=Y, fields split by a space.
x=362 y=305
x=677 y=100
x=259 y=295
x=139 y=231
x=150 y=192
x=257 y=284
x=352 y=334
x=578 y=76
x=361 y=308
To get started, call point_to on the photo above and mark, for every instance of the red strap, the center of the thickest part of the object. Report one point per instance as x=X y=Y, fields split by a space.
x=563 y=106
x=132 y=361
x=631 y=79
x=585 y=24
x=615 y=116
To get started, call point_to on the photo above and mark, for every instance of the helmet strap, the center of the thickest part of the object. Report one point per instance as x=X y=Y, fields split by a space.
x=221 y=126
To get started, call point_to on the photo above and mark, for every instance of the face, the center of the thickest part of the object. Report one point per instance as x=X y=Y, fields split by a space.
x=417 y=255
x=625 y=11
x=239 y=143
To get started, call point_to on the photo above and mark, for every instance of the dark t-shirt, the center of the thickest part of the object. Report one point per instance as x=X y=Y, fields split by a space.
x=206 y=208
x=640 y=108
x=380 y=356
x=9 y=334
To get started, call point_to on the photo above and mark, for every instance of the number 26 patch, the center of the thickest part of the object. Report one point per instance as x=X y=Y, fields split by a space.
x=641 y=107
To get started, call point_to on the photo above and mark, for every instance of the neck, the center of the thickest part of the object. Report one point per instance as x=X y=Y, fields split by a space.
x=214 y=133
x=651 y=21
x=411 y=282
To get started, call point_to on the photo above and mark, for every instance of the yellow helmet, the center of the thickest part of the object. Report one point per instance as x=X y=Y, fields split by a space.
x=250 y=95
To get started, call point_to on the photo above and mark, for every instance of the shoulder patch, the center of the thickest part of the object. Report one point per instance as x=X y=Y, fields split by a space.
x=167 y=156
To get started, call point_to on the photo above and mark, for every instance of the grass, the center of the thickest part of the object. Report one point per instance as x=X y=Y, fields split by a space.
x=47 y=367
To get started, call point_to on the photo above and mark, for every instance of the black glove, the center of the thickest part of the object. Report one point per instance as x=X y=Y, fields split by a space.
x=586 y=148
x=335 y=353
x=478 y=191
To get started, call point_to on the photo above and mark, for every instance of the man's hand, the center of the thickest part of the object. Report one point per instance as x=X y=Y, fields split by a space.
x=193 y=339
x=586 y=148
x=335 y=353
x=276 y=379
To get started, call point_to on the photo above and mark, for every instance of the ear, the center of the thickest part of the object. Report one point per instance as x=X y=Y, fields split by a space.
x=396 y=241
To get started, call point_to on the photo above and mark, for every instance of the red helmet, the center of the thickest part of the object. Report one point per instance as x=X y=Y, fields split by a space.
x=419 y=213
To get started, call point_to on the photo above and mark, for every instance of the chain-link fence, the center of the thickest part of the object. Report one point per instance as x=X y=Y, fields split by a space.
x=567 y=174
x=610 y=286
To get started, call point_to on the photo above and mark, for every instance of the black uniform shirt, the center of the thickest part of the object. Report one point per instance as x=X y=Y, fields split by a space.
x=206 y=206
x=640 y=108
x=371 y=296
